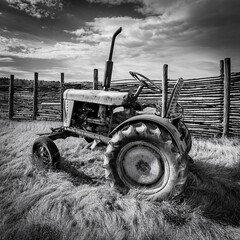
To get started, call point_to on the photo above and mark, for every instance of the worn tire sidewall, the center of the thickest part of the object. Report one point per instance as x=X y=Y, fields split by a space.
x=172 y=163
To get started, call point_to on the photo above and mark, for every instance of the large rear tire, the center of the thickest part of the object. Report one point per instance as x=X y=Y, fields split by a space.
x=45 y=153
x=144 y=157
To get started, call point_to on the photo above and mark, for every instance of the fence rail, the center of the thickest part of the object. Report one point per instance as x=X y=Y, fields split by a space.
x=211 y=105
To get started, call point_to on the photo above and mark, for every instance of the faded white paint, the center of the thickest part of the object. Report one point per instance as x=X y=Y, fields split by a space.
x=111 y=98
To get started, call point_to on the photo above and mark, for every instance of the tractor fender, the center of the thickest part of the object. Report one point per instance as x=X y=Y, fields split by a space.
x=163 y=122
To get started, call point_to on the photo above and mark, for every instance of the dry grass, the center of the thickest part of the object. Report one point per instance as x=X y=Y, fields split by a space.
x=77 y=203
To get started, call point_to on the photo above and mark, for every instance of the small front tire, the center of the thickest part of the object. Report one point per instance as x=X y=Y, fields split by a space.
x=45 y=153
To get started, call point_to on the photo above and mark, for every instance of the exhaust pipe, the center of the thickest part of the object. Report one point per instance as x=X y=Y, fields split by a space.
x=109 y=64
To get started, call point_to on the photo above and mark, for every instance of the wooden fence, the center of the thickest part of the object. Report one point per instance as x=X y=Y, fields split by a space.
x=34 y=99
x=211 y=105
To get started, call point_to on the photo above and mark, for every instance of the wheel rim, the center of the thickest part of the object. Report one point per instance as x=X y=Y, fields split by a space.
x=43 y=154
x=141 y=164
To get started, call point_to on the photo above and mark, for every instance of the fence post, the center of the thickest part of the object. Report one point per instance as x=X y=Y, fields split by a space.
x=226 y=103
x=61 y=94
x=35 y=96
x=95 y=79
x=221 y=65
x=11 y=98
x=164 y=90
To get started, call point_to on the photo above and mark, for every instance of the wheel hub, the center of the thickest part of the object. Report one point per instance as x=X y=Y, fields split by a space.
x=141 y=164
x=44 y=155
x=143 y=167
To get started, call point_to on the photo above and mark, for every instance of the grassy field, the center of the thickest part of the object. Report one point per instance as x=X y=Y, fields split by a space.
x=77 y=203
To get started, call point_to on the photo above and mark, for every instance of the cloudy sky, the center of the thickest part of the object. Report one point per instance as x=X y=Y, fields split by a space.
x=74 y=36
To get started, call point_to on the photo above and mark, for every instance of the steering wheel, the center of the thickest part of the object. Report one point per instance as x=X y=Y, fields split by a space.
x=146 y=81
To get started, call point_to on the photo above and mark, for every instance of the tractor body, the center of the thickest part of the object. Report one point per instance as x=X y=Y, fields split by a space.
x=145 y=152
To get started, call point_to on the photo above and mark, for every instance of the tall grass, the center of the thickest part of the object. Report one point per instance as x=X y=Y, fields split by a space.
x=77 y=203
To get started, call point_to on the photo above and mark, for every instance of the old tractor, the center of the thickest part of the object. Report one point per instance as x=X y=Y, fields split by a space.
x=145 y=152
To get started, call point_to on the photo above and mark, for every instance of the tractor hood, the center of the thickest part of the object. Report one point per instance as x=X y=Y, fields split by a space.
x=112 y=98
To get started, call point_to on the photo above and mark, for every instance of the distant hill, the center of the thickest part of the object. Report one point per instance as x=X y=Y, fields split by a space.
x=25 y=82
x=42 y=83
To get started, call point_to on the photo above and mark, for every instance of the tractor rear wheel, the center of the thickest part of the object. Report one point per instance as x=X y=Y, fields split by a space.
x=144 y=157
x=45 y=153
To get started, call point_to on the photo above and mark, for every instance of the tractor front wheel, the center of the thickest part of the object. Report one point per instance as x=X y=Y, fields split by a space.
x=45 y=153
x=144 y=157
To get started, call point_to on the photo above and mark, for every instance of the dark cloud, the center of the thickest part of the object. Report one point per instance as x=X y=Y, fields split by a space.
x=114 y=2
x=216 y=24
x=215 y=13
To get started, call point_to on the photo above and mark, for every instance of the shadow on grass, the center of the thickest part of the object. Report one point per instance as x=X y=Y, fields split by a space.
x=36 y=232
x=215 y=191
x=78 y=176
